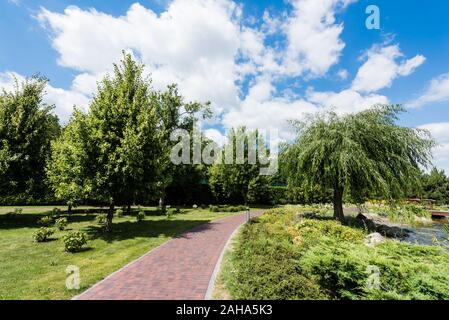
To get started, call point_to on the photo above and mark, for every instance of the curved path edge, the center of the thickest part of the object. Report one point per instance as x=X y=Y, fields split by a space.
x=183 y=268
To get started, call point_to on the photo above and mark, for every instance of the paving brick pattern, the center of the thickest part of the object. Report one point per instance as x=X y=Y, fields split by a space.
x=180 y=269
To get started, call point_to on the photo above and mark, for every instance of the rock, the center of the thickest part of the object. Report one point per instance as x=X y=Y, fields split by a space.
x=374 y=239
x=381 y=225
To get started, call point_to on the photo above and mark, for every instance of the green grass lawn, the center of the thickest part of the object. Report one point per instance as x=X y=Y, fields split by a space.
x=30 y=270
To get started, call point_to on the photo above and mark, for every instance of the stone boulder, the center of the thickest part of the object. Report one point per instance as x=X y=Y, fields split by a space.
x=381 y=225
x=374 y=239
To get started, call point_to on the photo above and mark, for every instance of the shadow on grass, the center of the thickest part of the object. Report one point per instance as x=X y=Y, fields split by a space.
x=147 y=229
x=31 y=220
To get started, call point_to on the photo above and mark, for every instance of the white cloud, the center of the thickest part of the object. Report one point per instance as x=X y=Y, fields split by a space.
x=437 y=91
x=194 y=43
x=382 y=67
x=216 y=136
x=64 y=100
x=203 y=45
x=343 y=74
x=346 y=101
x=314 y=43
x=209 y=50
x=14 y=2
x=260 y=110
x=440 y=131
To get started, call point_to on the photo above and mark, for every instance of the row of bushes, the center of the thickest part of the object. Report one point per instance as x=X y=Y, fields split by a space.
x=283 y=255
x=73 y=241
x=227 y=208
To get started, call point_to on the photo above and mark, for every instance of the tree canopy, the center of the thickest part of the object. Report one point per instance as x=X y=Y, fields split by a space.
x=27 y=127
x=239 y=181
x=359 y=154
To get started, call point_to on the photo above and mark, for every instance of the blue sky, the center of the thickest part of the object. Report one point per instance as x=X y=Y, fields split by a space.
x=258 y=62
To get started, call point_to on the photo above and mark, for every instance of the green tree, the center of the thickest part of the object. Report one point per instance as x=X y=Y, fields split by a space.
x=359 y=154
x=173 y=114
x=69 y=169
x=435 y=185
x=125 y=138
x=238 y=182
x=111 y=154
x=27 y=127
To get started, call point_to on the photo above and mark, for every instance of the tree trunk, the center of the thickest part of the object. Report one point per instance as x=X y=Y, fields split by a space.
x=109 y=217
x=338 y=205
x=162 y=202
x=129 y=209
x=69 y=209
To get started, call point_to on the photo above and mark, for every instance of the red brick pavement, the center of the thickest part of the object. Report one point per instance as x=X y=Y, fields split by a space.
x=180 y=269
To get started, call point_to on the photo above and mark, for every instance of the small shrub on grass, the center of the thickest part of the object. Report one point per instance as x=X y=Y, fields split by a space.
x=119 y=213
x=195 y=206
x=74 y=241
x=16 y=213
x=101 y=219
x=43 y=234
x=46 y=221
x=172 y=211
x=55 y=212
x=140 y=216
x=61 y=223
x=213 y=208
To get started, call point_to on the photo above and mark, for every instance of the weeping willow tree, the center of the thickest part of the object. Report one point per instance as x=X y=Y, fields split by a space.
x=358 y=154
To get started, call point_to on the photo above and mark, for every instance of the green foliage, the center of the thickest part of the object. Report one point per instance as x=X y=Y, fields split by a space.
x=239 y=183
x=172 y=211
x=55 y=212
x=45 y=221
x=16 y=213
x=27 y=126
x=42 y=234
x=61 y=223
x=111 y=153
x=140 y=216
x=283 y=255
x=70 y=165
x=400 y=212
x=227 y=208
x=362 y=154
x=119 y=213
x=434 y=185
x=101 y=219
x=74 y=241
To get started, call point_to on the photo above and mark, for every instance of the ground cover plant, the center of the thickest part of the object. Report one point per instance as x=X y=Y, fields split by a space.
x=283 y=255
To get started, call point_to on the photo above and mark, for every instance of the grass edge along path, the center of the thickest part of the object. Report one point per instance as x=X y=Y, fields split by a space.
x=36 y=271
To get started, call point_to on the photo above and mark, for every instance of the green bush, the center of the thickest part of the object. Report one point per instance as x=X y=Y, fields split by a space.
x=227 y=208
x=46 y=221
x=16 y=213
x=55 y=212
x=74 y=241
x=140 y=216
x=102 y=219
x=61 y=223
x=43 y=234
x=282 y=255
x=119 y=213
x=213 y=208
x=172 y=211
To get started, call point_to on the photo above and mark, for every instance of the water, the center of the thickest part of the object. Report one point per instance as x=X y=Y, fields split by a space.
x=426 y=235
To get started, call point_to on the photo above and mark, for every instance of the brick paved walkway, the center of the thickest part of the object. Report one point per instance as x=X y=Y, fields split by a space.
x=180 y=269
